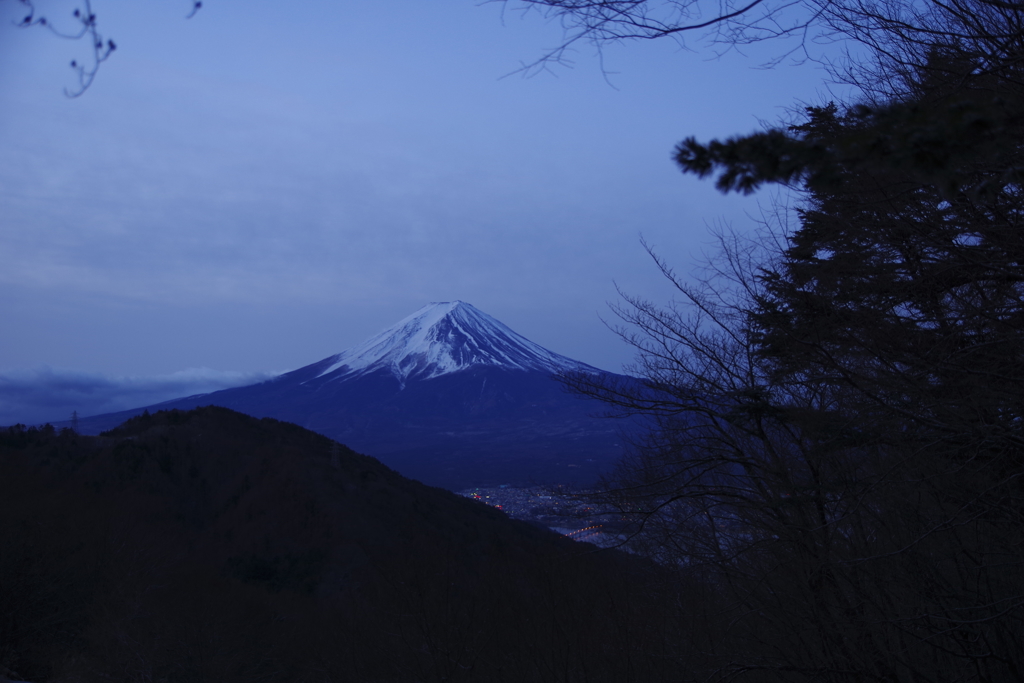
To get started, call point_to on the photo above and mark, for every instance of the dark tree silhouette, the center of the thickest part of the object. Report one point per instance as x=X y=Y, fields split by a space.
x=87 y=30
x=837 y=452
x=897 y=33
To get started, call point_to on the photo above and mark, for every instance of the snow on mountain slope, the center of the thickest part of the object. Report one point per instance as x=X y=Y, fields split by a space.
x=446 y=337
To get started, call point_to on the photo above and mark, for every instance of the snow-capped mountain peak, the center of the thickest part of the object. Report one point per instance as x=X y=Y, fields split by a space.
x=446 y=337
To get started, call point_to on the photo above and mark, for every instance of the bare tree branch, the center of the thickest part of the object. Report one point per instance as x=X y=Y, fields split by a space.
x=100 y=48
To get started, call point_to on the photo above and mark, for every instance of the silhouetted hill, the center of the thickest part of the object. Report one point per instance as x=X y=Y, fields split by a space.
x=448 y=396
x=209 y=545
x=478 y=427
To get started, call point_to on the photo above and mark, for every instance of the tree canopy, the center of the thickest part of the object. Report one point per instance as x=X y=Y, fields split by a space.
x=836 y=448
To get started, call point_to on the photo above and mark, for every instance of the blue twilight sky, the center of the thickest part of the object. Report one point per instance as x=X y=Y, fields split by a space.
x=269 y=183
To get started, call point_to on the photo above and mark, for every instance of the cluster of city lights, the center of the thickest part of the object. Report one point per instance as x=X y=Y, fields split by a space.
x=572 y=534
x=476 y=496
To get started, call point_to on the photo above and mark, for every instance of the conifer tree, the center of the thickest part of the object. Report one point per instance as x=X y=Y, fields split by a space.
x=837 y=450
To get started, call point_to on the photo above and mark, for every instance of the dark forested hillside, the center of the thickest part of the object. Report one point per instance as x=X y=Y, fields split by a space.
x=478 y=427
x=212 y=546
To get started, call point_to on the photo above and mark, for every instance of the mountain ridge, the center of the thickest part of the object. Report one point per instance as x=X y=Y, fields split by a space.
x=448 y=395
x=212 y=546
x=445 y=337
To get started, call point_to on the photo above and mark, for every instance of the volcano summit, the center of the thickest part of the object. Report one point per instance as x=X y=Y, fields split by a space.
x=449 y=396
x=447 y=337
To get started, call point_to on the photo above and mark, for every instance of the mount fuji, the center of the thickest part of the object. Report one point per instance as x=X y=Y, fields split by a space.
x=449 y=396
x=444 y=338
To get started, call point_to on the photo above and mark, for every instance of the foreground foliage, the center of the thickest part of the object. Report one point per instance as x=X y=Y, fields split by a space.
x=837 y=454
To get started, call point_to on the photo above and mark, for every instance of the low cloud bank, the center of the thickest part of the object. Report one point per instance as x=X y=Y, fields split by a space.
x=44 y=394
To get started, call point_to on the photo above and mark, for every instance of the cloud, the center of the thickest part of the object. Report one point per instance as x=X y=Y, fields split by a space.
x=45 y=394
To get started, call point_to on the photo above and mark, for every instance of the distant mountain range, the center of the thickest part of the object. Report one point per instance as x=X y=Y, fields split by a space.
x=449 y=396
